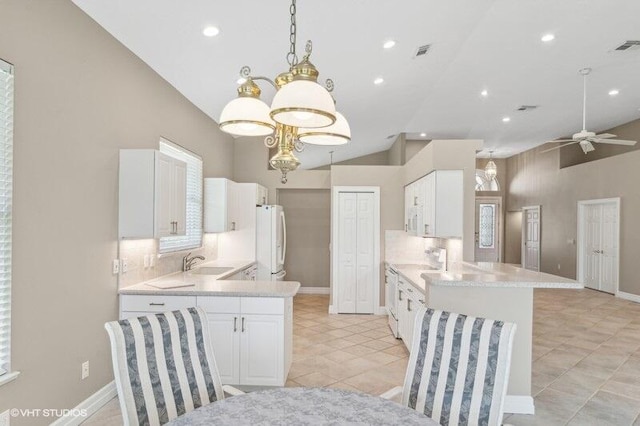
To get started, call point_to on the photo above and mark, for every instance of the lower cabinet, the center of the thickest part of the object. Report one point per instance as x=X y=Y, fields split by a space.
x=409 y=301
x=252 y=337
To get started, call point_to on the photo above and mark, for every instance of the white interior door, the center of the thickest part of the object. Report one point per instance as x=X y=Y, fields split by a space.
x=598 y=244
x=365 y=249
x=347 y=246
x=356 y=278
x=531 y=238
x=487 y=245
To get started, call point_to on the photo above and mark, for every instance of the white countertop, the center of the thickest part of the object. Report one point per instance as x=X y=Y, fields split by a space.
x=215 y=285
x=483 y=274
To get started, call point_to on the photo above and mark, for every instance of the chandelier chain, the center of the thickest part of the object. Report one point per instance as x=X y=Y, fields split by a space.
x=292 y=58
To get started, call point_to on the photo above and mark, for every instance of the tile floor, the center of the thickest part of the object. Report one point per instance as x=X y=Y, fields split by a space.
x=586 y=368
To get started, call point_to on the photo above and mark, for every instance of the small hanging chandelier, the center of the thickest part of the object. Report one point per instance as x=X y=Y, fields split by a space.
x=302 y=111
x=491 y=170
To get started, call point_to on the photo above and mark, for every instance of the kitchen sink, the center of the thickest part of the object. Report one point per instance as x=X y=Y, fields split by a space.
x=212 y=270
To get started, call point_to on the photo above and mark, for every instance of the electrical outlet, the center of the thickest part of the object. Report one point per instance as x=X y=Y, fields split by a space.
x=125 y=265
x=558 y=266
x=5 y=418
x=85 y=370
x=146 y=261
x=115 y=268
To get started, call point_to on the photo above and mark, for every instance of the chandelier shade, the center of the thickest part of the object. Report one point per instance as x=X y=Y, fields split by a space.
x=491 y=170
x=303 y=103
x=246 y=116
x=338 y=133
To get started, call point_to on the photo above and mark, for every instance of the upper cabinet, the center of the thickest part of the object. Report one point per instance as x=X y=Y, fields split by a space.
x=152 y=195
x=221 y=205
x=262 y=195
x=434 y=204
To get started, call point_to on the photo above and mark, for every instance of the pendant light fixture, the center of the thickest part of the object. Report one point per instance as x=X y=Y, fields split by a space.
x=302 y=111
x=491 y=170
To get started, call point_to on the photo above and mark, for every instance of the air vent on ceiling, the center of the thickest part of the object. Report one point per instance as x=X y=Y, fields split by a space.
x=391 y=136
x=628 y=45
x=422 y=50
x=527 y=107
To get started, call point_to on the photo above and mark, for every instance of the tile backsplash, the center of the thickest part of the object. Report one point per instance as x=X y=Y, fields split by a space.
x=403 y=248
x=134 y=252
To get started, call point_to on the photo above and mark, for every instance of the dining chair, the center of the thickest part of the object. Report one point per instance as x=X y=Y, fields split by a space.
x=164 y=366
x=458 y=368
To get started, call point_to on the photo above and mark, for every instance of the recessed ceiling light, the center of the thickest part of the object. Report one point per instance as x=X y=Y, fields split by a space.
x=506 y=119
x=547 y=38
x=613 y=92
x=241 y=80
x=378 y=81
x=211 y=31
x=389 y=44
x=484 y=93
x=423 y=135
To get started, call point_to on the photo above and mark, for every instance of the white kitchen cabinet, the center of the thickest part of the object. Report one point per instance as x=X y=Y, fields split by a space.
x=221 y=209
x=409 y=301
x=260 y=331
x=152 y=194
x=252 y=337
x=434 y=205
x=262 y=195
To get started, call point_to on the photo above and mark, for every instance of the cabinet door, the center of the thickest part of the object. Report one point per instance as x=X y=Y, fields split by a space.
x=429 y=205
x=408 y=205
x=224 y=330
x=164 y=195
x=233 y=206
x=449 y=203
x=216 y=195
x=180 y=197
x=262 y=354
x=402 y=309
x=262 y=195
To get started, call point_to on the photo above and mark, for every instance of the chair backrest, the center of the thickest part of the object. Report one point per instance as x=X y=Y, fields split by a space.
x=163 y=365
x=458 y=368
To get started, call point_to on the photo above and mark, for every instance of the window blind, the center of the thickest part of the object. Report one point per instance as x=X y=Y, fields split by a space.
x=193 y=237
x=6 y=189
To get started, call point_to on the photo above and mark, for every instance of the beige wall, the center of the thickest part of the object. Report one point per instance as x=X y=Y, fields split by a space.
x=412 y=147
x=376 y=159
x=80 y=96
x=308 y=213
x=536 y=179
x=397 y=152
x=513 y=237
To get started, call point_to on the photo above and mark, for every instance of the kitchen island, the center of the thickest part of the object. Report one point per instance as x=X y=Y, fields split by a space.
x=250 y=322
x=496 y=291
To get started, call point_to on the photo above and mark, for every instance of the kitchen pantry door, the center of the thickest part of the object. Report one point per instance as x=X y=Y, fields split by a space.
x=531 y=238
x=356 y=252
x=598 y=244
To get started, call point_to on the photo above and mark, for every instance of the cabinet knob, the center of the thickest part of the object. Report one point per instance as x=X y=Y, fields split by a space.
x=409 y=305
x=156 y=304
x=233 y=226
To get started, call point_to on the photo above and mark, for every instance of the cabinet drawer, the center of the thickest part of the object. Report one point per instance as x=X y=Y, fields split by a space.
x=263 y=305
x=154 y=303
x=219 y=305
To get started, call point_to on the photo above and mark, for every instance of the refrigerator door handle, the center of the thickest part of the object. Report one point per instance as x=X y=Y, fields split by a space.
x=280 y=275
x=284 y=238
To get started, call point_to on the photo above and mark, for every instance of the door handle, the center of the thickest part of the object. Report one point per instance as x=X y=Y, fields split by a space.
x=409 y=305
x=235 y=324
x=233 y=226
x=243 y=324
x=399 y=294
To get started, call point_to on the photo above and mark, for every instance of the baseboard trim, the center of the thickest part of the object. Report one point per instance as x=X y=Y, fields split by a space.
x=88 y=407
x=314 y=290
x=382 y=310
x=519 y=404
x=628 y=296
x=333 y=309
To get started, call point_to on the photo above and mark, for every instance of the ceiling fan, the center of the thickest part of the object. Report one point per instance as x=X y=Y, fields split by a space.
x=585 y=138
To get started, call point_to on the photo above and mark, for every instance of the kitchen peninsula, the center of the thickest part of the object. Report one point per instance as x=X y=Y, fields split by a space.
x=250 y=322
x=491 y=290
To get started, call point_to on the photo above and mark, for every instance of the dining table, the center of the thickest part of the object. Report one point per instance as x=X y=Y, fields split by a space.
x=303 y=406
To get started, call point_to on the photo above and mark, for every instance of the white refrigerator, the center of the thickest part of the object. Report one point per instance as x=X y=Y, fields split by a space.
x=271 y=243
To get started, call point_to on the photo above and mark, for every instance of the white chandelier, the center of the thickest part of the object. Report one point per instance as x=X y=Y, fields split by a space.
x=491 y=170
x=302 y=111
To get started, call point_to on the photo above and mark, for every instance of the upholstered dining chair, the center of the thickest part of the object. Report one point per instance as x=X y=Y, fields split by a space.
x=164 y=366
x=458 y=368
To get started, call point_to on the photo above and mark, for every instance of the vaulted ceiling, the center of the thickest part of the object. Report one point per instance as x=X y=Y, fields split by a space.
x=476 y=45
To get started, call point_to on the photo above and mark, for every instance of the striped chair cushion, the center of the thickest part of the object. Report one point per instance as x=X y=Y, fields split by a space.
x=163 y=365
x=459 y=368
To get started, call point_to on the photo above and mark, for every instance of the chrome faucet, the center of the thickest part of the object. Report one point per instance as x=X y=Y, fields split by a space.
x=187 y=262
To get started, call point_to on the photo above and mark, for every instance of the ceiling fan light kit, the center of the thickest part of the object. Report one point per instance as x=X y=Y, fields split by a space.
x=302 y=111
x=585 y=138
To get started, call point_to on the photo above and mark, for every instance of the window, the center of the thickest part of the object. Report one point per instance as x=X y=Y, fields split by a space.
x=193 y=239
x=6 y=188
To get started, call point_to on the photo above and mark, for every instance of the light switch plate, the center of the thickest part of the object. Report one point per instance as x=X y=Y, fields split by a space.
x=115 y=268
x=125 y=265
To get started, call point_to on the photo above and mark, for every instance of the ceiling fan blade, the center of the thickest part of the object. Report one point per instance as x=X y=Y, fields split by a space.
x=613 y=141
x=560 y=140
x=605 y=136
x=559 y=146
